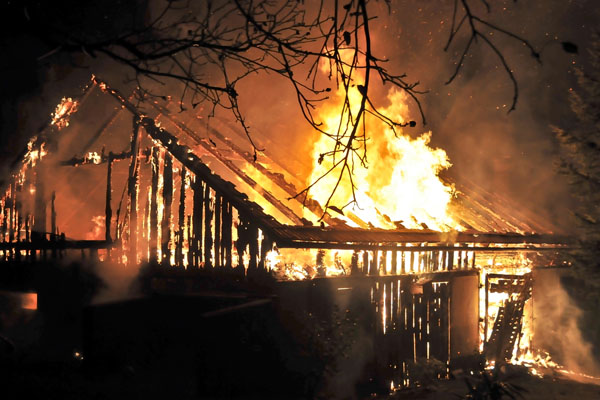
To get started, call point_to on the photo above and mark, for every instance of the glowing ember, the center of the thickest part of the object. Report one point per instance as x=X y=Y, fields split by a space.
x=66 y=107
x=93 y=157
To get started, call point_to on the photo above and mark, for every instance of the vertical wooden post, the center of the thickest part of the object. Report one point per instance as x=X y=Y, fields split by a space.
x=208 y=238
x=217 y=241
x=197 y=221
x=253 y=236
x=153 y=228
x=354 y=264
x=133 y=191
x=487 y=306
x=227 y=237
x=395 y=262
x=168 y=200
x=53 y=236
x=108 y=208
x=190 y=254
x=403 y=262
x=4 y=218
x=40 y=209
x=13 y=200
x=27 y=236
x=179 y=257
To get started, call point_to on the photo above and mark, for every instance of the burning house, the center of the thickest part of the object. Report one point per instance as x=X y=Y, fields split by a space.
x=132 y=181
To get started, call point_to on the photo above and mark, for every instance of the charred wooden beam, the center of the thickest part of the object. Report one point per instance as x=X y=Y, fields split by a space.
x=76 y=161
x=153 y=222
x=196 y=249
x=315 y=237
x=190 y=254
x=60 y=244
x=167 y=201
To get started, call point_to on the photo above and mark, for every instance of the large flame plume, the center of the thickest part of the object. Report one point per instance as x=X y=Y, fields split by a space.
x=400 y=185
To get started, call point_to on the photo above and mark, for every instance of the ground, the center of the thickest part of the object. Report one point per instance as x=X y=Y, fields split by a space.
x=550 y=387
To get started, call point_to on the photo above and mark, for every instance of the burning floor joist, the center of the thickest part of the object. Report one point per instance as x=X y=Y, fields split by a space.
x=137 y=184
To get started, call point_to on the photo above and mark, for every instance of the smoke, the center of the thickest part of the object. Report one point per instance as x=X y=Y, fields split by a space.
x=118 y=282
x=557 y=326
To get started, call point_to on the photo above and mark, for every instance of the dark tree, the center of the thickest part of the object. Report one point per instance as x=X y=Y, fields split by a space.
x=580 y=159
x=580 y=162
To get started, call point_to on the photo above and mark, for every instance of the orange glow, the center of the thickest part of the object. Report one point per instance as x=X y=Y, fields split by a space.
x=29 y=301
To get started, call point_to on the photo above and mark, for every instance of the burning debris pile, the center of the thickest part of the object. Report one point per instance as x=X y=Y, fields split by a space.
x=144 y=184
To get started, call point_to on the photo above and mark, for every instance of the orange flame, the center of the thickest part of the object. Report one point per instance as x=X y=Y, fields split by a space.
x=401 y=184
